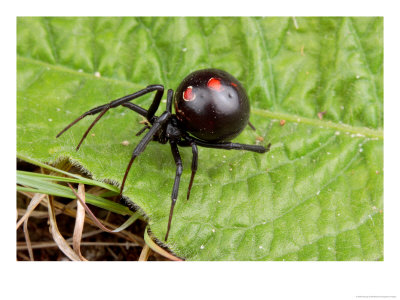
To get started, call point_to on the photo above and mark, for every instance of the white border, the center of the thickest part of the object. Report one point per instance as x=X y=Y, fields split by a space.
x=224 y=280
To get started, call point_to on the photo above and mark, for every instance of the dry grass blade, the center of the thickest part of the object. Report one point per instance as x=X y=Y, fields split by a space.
x=23 y=256
x=34 y=214
x=156 y=248
x=97 y=222
x=32 y=205
x=36 y=199
x=41 y=245
x=28 y=240
x=72 y=213
x=144 y=255
x=79 y=222
x=58 y=238
x=92 y=216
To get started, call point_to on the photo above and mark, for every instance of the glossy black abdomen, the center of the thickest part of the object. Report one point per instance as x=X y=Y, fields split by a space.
x=212 y=105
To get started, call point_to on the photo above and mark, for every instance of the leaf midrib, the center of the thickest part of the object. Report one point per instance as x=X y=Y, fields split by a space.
x=348 y=129
x=358 y=131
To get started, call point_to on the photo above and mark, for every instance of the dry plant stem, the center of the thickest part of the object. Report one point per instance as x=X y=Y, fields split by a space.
x=89 y=234
x=94 y=218
x=124 y=234
x=28 y=240
x=112 y=253
x=26 y=194
x=36 y=199
x=95 y=190
x=144 y=255
x=156 y=248
x=34 y=214
x=72 y=204
x=44 y=203
x=79 y=222
x=60 y=241
x=23 y=256
x=41 y=245
x=61 y=208
x=37 y=245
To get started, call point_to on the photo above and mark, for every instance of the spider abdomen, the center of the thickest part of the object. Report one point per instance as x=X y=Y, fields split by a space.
x=212 y=105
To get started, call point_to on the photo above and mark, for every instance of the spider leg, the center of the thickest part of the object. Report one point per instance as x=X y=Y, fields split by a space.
x=102 y=109
x=251 y=126
x=170 y=94
x=175 y=189
x=154 y=106
x=158 y=123
x=143 y=129
x=194 y=167
x=169 y=107
x=233 y=146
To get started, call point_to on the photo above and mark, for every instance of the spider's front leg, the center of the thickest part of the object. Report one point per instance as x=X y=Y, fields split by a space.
x=158 y=123
x=124 y=101
x=151 y=113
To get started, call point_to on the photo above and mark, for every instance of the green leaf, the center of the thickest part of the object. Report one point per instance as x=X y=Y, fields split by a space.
x=317 y=195
x=40 y=183
x=76 y=178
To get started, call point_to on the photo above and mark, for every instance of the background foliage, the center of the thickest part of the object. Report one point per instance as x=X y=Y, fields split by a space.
x=318 y=195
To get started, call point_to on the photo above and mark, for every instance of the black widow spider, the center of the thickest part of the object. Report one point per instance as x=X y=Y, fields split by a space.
x=211 y=108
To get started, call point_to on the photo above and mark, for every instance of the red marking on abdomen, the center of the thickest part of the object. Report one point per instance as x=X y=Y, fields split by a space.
x=188 y=94
x=233 y=84
x=214 y=84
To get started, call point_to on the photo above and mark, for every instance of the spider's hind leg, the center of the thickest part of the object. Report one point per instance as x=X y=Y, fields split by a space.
x=233 y=146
